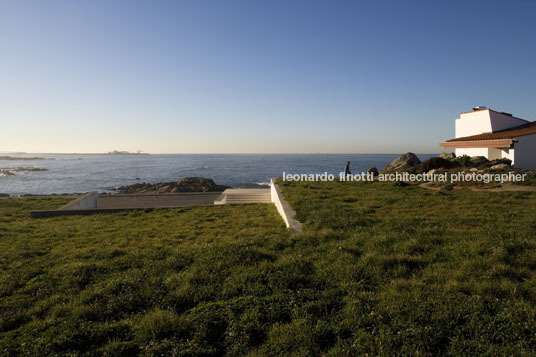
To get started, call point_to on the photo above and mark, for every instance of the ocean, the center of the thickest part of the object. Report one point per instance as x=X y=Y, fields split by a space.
x=77 y=173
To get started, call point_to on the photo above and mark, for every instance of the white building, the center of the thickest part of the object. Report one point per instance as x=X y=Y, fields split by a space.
x=495 y=135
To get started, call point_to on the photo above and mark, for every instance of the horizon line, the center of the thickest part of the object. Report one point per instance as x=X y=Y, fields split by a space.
x=208 y=153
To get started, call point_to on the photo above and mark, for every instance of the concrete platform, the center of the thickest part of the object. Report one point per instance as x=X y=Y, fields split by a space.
x=92 y=202
x=157 y=201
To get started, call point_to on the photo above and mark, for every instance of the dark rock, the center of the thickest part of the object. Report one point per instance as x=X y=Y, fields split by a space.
x=400 y=184
x=6 y=172
x=435 y=163
x=10 y=171
x=187 y=184
x=374 y=171
x=499 y=162
x=199 y=184
x=20 y=158
x=404 y=162
x=478 y=160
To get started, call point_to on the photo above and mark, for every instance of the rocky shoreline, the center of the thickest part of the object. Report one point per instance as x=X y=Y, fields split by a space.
x=447 y=165
x=13 y=158
x=187 y=184
x=10 y=171
x=409 y=162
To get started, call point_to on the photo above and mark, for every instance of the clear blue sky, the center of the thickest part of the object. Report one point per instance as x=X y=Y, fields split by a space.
x=258 y=76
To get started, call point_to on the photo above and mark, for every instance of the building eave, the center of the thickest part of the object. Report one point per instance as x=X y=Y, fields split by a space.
x=497 y=144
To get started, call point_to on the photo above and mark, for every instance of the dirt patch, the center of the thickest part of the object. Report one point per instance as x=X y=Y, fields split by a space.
x=507 y=187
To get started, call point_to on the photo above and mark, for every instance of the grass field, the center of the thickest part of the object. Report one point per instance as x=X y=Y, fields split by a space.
x=379 y=269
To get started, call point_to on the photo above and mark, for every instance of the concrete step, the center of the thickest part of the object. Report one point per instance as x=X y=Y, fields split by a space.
x=248 y=198
x=246 y=201
x=244 y=195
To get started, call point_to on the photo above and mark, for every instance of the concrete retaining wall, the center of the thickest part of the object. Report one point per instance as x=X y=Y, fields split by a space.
x=85 y=204
x=76 y=212
x=87 y=201
x=284 y=209
x=92 y=203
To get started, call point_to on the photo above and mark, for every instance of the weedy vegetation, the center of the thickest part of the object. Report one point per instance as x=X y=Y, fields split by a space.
x=379 y=270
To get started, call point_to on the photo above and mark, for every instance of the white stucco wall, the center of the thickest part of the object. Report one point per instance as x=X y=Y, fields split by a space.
x=489 y=153
x=495 y=154
x=525 y=148
x=500 y=121
x=472 y=152
x=484 y=121
x=508 y=154
x=473 y=123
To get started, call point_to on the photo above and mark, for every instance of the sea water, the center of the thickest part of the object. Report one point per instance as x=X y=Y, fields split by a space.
x=76 y=173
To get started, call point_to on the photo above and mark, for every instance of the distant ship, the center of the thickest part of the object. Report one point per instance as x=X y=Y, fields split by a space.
x=115 y=152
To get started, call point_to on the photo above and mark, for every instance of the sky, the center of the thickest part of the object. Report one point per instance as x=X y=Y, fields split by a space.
x=231 y=76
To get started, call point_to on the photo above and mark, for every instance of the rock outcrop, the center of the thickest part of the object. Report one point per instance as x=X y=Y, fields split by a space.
x=14 y=158
x=403 y=163
x=501 y=167
x=447 y=155
x=10 y=171
x=505 y=161
x=479 y=160
x=409 y=162
x=435 y=163
x=374 y=171
x=187 y=184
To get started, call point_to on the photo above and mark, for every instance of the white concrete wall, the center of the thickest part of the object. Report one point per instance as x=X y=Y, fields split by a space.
x=276 y=199
x=87 y=201
x=284 y=209
x=525 y=152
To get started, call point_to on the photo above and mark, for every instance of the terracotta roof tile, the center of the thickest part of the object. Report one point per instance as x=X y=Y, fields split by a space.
x=522 y=130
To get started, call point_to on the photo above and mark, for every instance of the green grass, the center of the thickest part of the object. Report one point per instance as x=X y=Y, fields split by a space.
x=379 y=270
